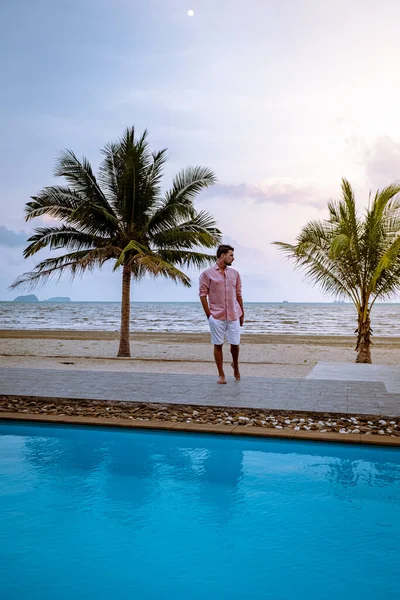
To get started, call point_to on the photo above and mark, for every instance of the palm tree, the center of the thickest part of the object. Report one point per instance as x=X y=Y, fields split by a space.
x=123 y=217
x=353 y=256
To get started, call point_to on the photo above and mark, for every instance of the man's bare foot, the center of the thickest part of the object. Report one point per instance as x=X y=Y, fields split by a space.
x=236 y=372
x=221 y=379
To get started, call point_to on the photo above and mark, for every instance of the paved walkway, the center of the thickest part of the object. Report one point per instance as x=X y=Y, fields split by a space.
x=387 y=374
x=252 y=392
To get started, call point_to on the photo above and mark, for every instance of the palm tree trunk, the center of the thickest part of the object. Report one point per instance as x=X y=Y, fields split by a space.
x=124 y=345
x=363 y=347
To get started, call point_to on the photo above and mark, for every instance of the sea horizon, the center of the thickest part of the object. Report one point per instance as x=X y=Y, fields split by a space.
x=286 y=318
x=48 y=301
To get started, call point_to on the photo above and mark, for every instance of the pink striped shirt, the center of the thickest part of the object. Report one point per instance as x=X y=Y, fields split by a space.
x=223 y=289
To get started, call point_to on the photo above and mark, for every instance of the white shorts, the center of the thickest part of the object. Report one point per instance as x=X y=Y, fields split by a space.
x=221 y=328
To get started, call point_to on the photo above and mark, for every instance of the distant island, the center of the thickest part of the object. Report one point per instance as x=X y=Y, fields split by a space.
x=33 y=298
x=28 y=298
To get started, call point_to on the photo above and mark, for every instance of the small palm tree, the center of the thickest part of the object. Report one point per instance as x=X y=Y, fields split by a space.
x=348 y=255
x=121 y=216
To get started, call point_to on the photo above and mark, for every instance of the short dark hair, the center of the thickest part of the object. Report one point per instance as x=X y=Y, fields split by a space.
x=224 y=249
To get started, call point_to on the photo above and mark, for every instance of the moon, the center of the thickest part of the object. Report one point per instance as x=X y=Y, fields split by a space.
x=190 y=13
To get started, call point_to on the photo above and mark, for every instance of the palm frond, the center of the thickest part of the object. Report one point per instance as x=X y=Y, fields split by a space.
x=318 y=268
x=75 y=263
x=132 y=249
x=136 y=194
x=199 y=231
x=94 y=206
x=156 y=171
x=61 y=237
x=55 y=201
x=155 y=266
x=183 y=258
x=324 y=242
x=139 y=259
x=178 y=202
x=383 y=212
x=388 y=284
x=109 y=171
x=350 y=224
x=80 y=176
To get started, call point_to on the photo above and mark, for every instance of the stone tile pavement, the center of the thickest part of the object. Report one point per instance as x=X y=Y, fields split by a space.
x=387 y=374
x=362 y=397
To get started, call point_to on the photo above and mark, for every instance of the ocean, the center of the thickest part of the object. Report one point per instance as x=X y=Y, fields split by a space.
x=262 y=317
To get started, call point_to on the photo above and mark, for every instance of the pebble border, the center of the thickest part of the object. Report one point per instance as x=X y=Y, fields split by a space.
x=248 y=421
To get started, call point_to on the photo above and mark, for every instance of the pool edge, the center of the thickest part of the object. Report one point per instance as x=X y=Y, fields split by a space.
x=250 y=431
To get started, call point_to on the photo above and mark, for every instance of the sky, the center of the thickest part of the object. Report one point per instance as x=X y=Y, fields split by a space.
x=280 y=99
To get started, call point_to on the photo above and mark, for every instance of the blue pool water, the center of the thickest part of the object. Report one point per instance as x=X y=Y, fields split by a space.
x=116 y=514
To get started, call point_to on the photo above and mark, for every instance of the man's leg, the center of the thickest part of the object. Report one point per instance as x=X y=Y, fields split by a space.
x=233 y=335
x=217 y=329
x=219 y=361
x=235 y=360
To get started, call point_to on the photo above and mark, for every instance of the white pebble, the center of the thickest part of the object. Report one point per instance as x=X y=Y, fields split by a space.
x=382 y=422
x=392 y=422
x=355 y=431
x=288 y=421
x=301 y=420
x=297 y=428
x=278 y=427
x=370 y=422
x=342 y=430
x=381 y=432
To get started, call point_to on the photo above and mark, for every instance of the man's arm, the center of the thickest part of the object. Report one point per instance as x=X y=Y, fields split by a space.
x=206 y=308
x=203 y=293
x=239 y=297
x=240 y=300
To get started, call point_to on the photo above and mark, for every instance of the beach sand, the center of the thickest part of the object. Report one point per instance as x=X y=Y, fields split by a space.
x=260 y=355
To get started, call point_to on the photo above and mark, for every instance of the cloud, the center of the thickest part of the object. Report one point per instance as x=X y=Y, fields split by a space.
x=281 y=191
x=383 y=161
x=380 y=159
x=11 y=238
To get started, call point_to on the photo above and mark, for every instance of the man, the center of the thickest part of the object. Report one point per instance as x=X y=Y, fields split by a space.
x=221 y=297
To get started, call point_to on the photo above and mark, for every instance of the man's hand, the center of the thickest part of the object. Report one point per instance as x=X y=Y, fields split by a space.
x=206 y=308
x=241 y=320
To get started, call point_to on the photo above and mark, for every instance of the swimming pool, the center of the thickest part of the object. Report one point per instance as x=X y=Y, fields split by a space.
x=96 y=513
